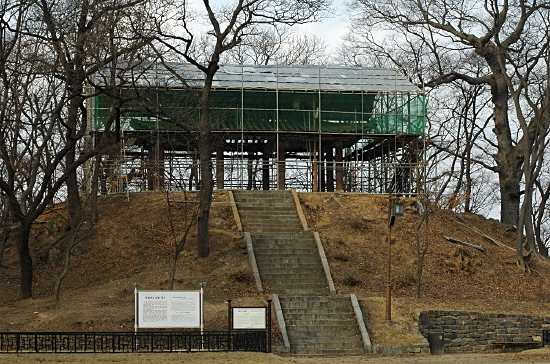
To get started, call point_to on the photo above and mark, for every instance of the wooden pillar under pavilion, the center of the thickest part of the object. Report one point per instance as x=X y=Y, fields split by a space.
x=250 y=172
x=220 y=167
x=330 y=170
x=322 y=171
x=338 y=158
x=315 y=168
x=265 y=171
x=281 y=170
x=156 y=170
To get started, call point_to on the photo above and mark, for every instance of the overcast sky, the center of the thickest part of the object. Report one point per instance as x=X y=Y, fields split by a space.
x=331 y=29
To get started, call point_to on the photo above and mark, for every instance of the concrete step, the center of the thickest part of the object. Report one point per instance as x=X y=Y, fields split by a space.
x=290 y=225
x=325 y=348
x=270 y=230
x=328 y=352
x=270 y=219
x=327 y=312
x=291 y=254
x=253 y=193
x=284 y=242
x=332 y=301
x=298 y=275
x=290 y=238
x=263 y=202
x=279 y=266
x=310 y=322
x=303 y=246
x=304 y=289
x=315 y=335
x=257 y=219
x=283 y=254
x=268 y=213
x=295 y=237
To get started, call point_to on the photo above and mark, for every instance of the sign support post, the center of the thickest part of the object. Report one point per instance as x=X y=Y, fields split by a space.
x=136 y=313
x=268 y=346
x=229 y=324
x=202 y=285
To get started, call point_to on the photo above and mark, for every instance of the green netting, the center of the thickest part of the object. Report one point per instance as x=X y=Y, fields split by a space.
x=268 y=110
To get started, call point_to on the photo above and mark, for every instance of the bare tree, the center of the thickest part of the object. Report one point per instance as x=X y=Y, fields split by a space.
x=510 y=40
x=457 y=131
x=189 y=214
x=278 y=45
x=75 y=33
x=228 y=25
x=47 y=51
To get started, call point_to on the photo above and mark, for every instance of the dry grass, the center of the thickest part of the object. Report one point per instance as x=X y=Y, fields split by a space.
x=132 y=242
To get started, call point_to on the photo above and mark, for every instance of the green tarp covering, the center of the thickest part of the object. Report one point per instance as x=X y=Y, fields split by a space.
x=269 y=110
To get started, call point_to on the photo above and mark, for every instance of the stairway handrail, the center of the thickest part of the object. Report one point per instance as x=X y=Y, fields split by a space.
x=299 y=209
x=324 y=262
x=253 y=263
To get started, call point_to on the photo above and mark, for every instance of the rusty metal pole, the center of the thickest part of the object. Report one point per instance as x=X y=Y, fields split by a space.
x=388 y=278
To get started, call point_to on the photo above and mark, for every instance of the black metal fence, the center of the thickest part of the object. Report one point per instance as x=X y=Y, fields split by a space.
x=130 y=342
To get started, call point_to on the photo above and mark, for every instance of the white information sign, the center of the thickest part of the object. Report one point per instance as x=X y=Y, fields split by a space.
x=168 y=309
x=249 y=318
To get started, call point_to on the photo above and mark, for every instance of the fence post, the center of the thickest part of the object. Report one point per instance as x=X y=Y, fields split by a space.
x=268 y=346
x=229 y=324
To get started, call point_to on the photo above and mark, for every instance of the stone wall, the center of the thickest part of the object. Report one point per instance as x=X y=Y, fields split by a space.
x=473 y=331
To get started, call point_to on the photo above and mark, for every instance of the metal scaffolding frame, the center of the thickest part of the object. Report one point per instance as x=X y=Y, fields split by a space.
x=312 y=128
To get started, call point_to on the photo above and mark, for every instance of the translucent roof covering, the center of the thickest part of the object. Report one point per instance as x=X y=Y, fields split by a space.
x=299 y=77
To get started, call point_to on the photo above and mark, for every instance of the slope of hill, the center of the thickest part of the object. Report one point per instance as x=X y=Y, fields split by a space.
x=133 y=242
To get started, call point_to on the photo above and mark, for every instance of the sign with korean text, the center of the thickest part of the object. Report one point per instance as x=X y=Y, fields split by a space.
x=249 y=318
x=168 y=309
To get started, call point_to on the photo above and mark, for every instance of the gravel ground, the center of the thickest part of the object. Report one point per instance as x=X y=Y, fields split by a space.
x=533 y=356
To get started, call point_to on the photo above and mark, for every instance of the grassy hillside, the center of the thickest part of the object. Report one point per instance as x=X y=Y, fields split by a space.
x=133 y=241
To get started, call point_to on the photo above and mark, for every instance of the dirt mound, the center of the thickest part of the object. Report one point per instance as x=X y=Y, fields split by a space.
x=133 y=241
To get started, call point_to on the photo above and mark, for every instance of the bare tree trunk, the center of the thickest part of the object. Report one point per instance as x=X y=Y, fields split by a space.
x=25 y=259
x=507 y=159
x=539 y=217
x=73 y=237
x=5 y=231
x=509 y=201
x=73 y=196
x=421 y=248
x=205 y=197
x=3 y=243
x=73 y=191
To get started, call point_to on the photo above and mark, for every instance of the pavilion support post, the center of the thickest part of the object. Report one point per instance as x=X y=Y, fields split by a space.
x=339 y=167
x=220 y=167
x=315 y=168
x=281 y=155
x=250 y=172
x=265 y=171
x=159 y=166
x=330 y=170
x=322 y=171
x=151 y=170
x=155 y=177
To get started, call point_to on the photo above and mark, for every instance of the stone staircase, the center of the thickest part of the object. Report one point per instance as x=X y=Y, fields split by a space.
x=266 y=212
x=290 y=265
x=322 y=325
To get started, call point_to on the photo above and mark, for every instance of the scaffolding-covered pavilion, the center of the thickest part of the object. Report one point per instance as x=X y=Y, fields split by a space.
x=313 y=128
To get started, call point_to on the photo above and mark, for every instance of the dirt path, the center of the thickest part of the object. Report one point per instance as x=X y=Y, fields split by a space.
x=533 y=357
